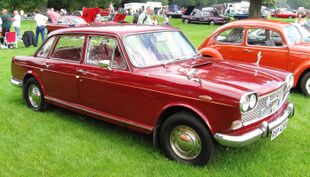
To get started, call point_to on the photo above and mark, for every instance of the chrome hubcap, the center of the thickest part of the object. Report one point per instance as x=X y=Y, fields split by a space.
x=185 y=142
x=308 y=85
x=34 y=95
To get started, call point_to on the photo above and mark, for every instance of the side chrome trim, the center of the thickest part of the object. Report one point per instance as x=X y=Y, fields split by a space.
x=16 y=82
x=254 y=135
x=96 y=113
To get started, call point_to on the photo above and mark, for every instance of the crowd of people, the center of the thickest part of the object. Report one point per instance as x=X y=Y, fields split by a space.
x=146 y=17
x=7 y=22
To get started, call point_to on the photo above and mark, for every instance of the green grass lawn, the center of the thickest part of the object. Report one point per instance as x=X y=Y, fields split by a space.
x=62 y=143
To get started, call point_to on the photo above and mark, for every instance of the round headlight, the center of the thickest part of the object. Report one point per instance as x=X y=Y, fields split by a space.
x=248 y=102
x=289 y=81
x=253 y=100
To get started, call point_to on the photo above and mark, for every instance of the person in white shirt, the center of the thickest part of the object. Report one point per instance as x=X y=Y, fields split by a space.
x=145 y=17
x=0 y=25
x=17 y=23
x=41 y=23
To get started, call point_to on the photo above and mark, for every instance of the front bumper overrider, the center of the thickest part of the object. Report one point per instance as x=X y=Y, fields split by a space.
x=254 y=135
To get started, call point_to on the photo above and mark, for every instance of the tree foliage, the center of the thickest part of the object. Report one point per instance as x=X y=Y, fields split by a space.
x=31 y=5
x=27 y=5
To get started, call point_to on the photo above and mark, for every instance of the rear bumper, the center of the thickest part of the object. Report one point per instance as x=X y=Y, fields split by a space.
x=254 y=135
x=16 y=82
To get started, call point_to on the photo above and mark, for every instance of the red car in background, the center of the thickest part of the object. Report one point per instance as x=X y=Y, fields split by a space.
x=88 y=18
x=66 y=22
x=284 y=14
x=280 y=45
x=152 y=79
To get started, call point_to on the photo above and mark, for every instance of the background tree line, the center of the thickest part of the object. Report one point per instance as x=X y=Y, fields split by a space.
x=31 y=5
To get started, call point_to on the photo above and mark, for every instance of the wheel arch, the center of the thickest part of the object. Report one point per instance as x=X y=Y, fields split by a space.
x=300 y=72
x=172 y=109
x=211 y=52
x=31 y=74
x=307 y=70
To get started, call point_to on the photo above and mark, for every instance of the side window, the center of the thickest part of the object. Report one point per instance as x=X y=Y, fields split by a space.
x=233 y=35
x=264 y=37
x=69 y=48
x=101 y=49
x=46 y=48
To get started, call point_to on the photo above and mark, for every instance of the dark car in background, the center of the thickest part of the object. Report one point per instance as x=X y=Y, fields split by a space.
x=193 y=15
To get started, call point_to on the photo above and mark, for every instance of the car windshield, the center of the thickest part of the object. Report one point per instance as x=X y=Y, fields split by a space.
x=156 y=48
x=71 y=20
x=292 y=34
x=304 y=33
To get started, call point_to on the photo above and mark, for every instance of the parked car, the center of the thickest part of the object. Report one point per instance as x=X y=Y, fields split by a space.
x=245 y=15
x=66 y=22
x=151 y=79
x=284 y=14
x=197 y=16
x=282 y=45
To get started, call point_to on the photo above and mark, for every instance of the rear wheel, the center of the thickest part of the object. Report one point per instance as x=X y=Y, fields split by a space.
x=185 y=139
x=212 y=22
x=33 y=94
x=305 y=84
x=186 y=21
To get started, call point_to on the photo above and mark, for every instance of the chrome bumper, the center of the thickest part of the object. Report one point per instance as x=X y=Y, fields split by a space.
x=262 y=132
x=16 y=83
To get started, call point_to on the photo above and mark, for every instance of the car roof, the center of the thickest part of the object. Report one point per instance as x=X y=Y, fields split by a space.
x=258 y=22
x=116 y=29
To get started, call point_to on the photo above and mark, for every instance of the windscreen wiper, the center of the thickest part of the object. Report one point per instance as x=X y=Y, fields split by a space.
x=201 y=64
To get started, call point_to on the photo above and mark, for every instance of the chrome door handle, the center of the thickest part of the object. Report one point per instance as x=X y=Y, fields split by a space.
x=46 y=65
x=248 y=50
x=82 y=71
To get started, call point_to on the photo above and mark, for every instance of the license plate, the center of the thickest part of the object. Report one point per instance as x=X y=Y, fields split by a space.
x=278 y=130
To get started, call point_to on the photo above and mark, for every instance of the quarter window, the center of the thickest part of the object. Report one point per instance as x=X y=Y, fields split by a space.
x=233 y=35
x=69 y=48
x=264 y=37
x=46 y=48
x=102 y=48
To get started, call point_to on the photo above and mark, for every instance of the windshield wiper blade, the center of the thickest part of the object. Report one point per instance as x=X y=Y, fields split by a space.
x=202 y=64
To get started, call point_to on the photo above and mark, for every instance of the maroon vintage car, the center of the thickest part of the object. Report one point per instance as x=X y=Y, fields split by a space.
x=152 y=79
x=66 y=22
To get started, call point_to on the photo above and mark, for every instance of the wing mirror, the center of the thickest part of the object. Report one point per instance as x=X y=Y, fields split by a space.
x=105 y=64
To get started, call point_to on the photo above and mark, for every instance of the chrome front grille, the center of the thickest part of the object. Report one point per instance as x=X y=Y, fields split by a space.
x=266 y=105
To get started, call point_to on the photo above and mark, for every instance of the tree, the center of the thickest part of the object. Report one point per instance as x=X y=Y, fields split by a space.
x=255 y=7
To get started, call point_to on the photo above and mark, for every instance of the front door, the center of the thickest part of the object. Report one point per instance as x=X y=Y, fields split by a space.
x=61 y=68
x=230 y=43
x=105 y=78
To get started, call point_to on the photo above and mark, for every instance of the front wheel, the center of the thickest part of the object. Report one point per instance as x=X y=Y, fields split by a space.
x=34 y=96
x=185 y=139
x=305 y=84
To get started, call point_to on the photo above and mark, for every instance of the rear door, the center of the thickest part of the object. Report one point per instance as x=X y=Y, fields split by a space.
x=61 y=68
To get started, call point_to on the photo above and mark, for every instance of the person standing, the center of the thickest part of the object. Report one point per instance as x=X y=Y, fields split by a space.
x=17 y=23
x=41 y=23
x=300 y=19
x=6 y=23
x=145 y=17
